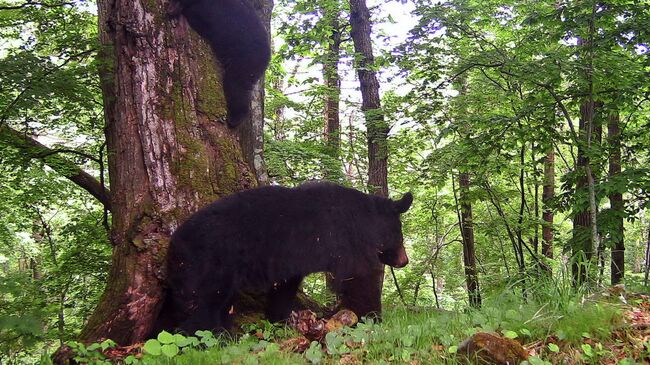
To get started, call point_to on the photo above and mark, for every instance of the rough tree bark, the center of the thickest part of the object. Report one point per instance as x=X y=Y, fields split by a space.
x=616 y=200
x=251 y=132
x=469 y=252
x=168 y=153
x=376 y=125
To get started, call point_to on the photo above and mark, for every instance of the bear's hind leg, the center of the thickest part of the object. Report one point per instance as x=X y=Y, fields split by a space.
x=280 y=299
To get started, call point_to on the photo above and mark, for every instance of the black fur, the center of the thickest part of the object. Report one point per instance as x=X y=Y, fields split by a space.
x=270 y=238
x=240 y=42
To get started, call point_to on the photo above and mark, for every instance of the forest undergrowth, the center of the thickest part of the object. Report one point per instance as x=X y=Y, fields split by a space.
x=609 y=327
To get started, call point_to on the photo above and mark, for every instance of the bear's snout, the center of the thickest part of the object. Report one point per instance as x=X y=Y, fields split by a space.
x=395 y=257
x=402 y=259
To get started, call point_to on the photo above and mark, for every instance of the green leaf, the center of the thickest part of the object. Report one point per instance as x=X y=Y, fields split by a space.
x=182 y=341
x=510 y=334
x=553 y=347
x=166 y=338
x=314 y=353
x=513 y=315
x=209 y=342
x=93 y=347
x=203 y=334
x=170 y=350
x=152 y=347
x=333 y=341
x=406 y=355
x=452 y=349
x=534 y=360
x=586 y=348
x=107 y=344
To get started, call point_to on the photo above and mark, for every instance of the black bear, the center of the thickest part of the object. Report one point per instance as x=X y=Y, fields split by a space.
x=270 y=238
x=240 y=42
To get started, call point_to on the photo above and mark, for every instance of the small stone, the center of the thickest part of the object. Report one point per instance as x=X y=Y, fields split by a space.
x=343 y=318
x=490 y=348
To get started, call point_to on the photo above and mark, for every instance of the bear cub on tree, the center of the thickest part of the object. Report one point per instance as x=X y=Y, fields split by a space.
x=240 y=42
x=270 y=238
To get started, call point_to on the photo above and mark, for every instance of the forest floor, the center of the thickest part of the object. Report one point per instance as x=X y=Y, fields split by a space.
x=612 y=327
x=628 y=342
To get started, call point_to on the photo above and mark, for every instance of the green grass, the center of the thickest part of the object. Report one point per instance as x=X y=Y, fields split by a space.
x=428 y=336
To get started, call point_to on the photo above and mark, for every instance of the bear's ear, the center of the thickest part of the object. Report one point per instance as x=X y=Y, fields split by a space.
x=402 y=205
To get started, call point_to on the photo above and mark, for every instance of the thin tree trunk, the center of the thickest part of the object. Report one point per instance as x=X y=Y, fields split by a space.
x=61 y=313
x=616 y=200
x=511 y=235
x=332 y=96
x=583 y=229
x=469 y=252
x=548 y=193
x=498 y=238
x=397 y=286
x=376 y=126
x=251 y=132
x=520 y=220
x=377 y=130
x=536 y=212
x=168 y=154
x=435 y=290
x=416 y=291
x=647 y=259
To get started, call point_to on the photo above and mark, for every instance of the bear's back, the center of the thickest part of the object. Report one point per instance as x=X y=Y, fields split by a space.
x=272 y=215
x=308 y=197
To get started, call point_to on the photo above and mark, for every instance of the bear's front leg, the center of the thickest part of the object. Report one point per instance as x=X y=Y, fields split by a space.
x=361 y=293
x=206 y=303
x=280 y=299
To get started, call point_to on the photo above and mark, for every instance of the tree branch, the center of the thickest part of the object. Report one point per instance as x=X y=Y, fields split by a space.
x=35 y=150
x=35 y=3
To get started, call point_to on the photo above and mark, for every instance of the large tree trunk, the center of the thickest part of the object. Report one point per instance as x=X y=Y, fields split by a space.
x=469 y=252
x=251 y=132
x=616 y=200
x=168 y=154
x=548 y=193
